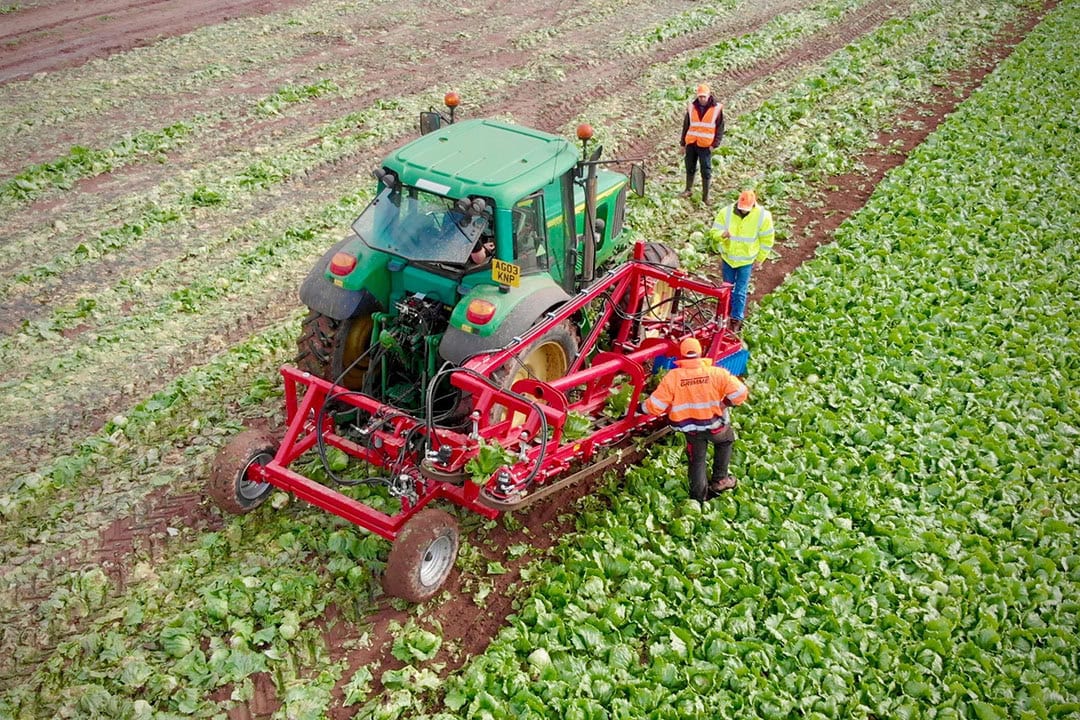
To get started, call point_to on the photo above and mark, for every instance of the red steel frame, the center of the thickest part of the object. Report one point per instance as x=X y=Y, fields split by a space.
x=498 y=414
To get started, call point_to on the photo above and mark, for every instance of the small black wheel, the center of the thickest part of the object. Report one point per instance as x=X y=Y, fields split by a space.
x=422 y=556
x=229 y=485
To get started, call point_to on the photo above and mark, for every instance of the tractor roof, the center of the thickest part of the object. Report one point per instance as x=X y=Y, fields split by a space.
x=483 y=157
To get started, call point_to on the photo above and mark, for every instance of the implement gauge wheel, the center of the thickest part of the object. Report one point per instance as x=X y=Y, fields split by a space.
x=422 y=556
x=229 y=485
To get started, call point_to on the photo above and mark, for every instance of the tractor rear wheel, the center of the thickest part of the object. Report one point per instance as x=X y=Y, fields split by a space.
x=229 y=485
x=660 y=254
x=547 y=359
x=655 y=304
x=422 y=556
x=328 y=347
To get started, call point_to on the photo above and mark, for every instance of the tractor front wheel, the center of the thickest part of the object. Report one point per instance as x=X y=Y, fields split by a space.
x=230 y=486
x=422 y=556
x=335 y=349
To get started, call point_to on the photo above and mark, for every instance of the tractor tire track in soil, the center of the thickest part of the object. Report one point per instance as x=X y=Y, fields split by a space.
x=468 y=628
x=58 y=35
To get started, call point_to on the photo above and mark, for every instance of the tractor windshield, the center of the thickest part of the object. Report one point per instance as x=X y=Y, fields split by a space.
x=420 y=226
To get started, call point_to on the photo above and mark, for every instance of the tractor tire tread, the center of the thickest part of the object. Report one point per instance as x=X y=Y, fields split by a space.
x=315 y=346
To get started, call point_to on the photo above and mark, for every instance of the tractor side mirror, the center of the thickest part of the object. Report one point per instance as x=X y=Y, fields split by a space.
x=637 y=179
x=430 y=121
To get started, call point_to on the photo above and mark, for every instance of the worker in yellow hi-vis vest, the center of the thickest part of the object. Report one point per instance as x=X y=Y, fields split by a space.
x=744 y=233
x=703 y=129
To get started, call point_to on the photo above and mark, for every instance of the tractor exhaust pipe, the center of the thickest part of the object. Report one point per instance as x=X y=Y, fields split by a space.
x=588 y=260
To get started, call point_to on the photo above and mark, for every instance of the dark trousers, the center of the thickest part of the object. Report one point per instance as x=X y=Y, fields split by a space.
x=698 y=157
x=697 y=449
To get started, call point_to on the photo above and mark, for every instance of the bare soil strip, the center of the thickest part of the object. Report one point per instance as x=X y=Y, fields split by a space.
x=48 y=37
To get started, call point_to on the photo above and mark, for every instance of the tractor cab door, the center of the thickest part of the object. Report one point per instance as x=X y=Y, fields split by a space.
x=530 y=234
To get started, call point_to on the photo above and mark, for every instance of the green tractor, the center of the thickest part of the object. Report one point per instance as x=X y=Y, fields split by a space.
x=477 y=229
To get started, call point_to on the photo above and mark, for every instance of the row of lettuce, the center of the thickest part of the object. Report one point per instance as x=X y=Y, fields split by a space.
x=906 y=541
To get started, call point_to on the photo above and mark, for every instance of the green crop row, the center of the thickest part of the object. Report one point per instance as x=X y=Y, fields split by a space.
x=83 y=162
x=801 y=125
x=824 y=119
x=667 y=85
x=905 y=541
x=193 y=64
x=259 y=173
x=680 y=24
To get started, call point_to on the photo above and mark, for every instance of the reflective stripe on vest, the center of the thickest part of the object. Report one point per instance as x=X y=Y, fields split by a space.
x=743 y=249
x=702 y=130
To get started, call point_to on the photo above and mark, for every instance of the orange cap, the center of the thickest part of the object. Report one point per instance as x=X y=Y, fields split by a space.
x=690 y=347
x=747 y=200
x=703 y=89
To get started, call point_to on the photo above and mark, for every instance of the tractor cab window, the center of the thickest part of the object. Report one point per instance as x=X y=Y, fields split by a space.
x=423 y=227
x=530 y=234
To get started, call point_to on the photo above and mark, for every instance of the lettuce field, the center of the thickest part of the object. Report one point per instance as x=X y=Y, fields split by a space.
x=904 y=541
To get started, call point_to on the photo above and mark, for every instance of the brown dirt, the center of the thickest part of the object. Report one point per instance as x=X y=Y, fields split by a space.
x=53 y=35
x=47 y=30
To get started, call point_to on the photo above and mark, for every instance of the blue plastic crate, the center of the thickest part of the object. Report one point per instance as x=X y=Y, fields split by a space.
x=736 y=362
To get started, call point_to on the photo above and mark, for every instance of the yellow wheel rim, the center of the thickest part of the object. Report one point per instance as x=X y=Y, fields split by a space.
x=661 y=308
x=355 y=344
x=545 y=362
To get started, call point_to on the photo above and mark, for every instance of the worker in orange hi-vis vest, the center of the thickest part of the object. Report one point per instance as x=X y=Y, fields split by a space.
x=703 y=129
x=695 y=396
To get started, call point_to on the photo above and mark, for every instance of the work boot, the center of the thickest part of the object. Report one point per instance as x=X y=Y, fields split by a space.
x=717 y=487
x=689 y=187
x=704 y=193
x=735 y=326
